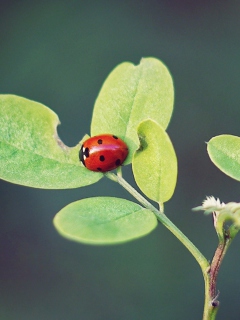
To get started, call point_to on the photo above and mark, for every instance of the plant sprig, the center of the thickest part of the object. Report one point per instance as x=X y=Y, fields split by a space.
x=136 y=104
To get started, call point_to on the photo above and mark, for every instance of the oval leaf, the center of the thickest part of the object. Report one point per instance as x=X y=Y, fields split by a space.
x=155 y=163
x=104 y=220
x=224 y=151
x=130 y=95
x=31 y=152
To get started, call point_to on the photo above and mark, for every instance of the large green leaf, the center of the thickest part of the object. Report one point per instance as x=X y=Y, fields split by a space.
x=131 y=94
x=155 y=163
x=104 y=220
x=31 y=152
x=224 y=151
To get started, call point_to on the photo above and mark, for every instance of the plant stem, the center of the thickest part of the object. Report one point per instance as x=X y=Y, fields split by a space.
x=202 y=261
x=211 y=305
x=210 y=271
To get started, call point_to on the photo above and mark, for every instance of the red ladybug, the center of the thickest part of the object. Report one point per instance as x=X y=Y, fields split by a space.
x=103 y=153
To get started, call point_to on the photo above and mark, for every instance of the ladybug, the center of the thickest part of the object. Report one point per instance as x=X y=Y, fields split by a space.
x=103 y=153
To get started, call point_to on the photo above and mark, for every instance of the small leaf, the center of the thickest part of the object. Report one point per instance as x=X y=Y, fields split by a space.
x=104 y=220
x=131 y=94
x=224 y=151
x=31 y=152
x=155 y=163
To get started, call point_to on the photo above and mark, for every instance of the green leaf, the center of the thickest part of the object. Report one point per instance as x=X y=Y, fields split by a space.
x=155 y=163
x=224 y=151
x=31 y=152
x=130 y=95
x=104 y=220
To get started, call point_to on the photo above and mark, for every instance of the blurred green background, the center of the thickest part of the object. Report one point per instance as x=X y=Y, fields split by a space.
x=59 y=53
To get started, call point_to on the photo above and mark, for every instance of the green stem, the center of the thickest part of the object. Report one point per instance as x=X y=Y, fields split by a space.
x=202 y=261
x=210 y=272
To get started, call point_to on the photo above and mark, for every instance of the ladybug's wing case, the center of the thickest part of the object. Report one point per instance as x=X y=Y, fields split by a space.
x=103 y=153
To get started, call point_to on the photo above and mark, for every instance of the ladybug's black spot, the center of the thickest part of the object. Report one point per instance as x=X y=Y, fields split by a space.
x=99 y=169
x=118 y=162
x=115 y=137
x=99 y=141
x=102 y=158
